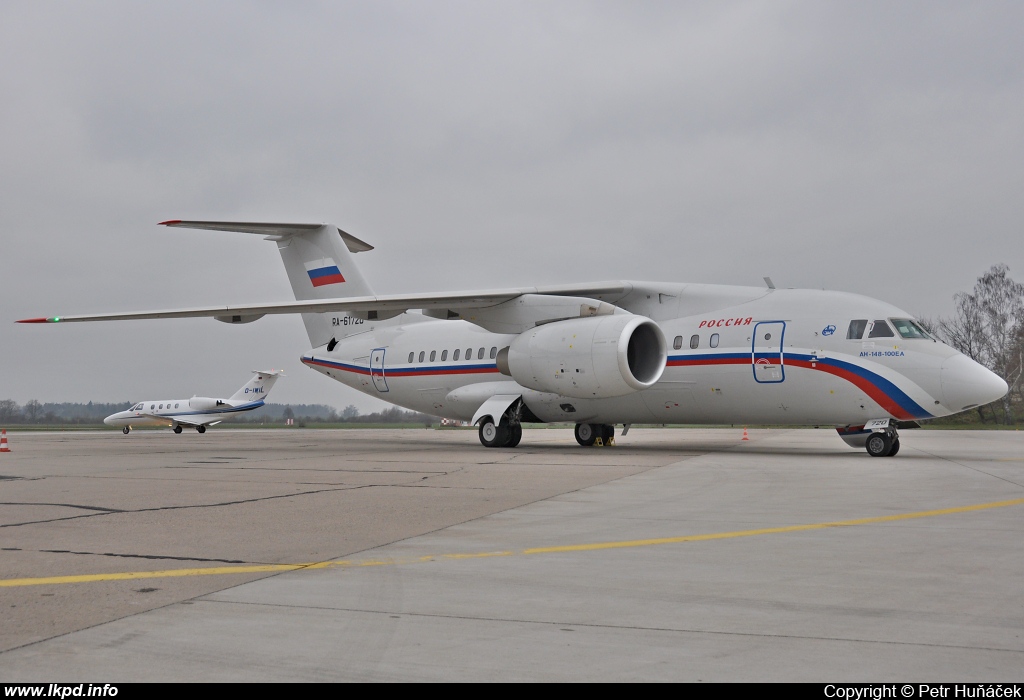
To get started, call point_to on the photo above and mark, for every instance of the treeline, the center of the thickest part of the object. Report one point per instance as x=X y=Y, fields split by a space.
x=36 y=413
x=987 y=325
x=302 y=414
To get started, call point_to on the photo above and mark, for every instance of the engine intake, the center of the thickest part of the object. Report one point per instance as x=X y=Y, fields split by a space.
x=202 y=403
x=586 y=358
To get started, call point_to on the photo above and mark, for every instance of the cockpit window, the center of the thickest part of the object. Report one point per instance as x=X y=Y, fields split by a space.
x=880 y=329
x=909 y=329
x=856 y=331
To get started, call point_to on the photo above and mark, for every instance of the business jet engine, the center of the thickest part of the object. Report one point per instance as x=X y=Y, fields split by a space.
x=588 y=358
x=202 y=403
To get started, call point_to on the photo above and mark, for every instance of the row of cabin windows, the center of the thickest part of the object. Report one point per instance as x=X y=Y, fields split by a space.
x=677 y=344
x=455 y=355
x=152 y=407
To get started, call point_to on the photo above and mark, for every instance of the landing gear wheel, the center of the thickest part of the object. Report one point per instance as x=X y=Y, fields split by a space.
x=126 y=430
x=200 y=429
x=607 y=433
x=586 y=434
x=879 y=445
x=492 y=435
x=895 y=447
x=177 y=429
x=515 y=434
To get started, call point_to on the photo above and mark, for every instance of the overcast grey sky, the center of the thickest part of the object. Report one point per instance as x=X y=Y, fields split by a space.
x=873 y=147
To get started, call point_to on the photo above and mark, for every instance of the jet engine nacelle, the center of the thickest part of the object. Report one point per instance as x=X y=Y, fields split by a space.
x=201 y=403
x=586 y=358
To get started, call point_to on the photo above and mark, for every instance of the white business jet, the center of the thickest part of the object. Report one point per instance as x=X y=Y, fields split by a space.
x=611 y=353
x=199 y=411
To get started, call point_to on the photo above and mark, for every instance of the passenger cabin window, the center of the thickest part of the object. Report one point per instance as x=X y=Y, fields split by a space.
x=151 y=407
x=677 y=344
x=694 y=341
x=421 y=355
x=444 y=355
x=480 y=354
x=714 y=340
x=494 y=353
x=433 y=355
x=175 y=405
x=160 y=407
x=455 y=357
x=908 y=329
x=881 y=329
x=411 y=356
x=469 y=354
x=856 y=331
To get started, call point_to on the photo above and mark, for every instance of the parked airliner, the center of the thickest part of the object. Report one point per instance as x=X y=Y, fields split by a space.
x=199 y=411
x=611 y=353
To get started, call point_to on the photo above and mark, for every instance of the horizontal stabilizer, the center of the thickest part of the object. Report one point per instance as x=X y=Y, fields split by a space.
x=275 y=231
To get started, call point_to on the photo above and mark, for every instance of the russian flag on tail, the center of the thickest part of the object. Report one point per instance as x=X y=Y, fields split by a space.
x=322 y=272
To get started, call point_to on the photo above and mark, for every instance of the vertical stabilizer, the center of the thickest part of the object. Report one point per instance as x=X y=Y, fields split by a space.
x=258 y=387
x=320 y=266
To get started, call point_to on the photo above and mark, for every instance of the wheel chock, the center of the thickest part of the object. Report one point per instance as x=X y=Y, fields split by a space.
x=598 y=442
x=611 y=442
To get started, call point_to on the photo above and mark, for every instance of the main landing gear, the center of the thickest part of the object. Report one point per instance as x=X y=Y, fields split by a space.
x=200 y=429
x=883 y=444
x=588 y=434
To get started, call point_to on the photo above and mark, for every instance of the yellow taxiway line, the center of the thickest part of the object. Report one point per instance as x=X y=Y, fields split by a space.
x=589 y=547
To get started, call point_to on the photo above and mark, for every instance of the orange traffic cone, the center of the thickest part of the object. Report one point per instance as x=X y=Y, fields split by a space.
x=3 y=442
x=745 y=434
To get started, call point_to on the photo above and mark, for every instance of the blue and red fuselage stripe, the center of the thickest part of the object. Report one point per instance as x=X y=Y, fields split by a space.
x=882 y=391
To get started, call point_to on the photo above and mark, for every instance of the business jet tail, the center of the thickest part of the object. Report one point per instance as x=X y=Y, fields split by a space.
x=318 y=260
x=258 y=387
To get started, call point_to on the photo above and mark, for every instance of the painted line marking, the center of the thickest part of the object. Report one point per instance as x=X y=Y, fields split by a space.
x=590 y=547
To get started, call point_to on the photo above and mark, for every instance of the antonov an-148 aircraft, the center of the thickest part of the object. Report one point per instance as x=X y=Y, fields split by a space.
x=199 y=411
x=612 y=352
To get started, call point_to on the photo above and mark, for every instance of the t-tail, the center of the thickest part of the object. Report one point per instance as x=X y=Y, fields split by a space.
x=318 y=260
x=257 y=388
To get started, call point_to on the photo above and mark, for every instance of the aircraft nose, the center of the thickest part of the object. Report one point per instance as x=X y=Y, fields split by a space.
x=109 y=420
x=966 y=384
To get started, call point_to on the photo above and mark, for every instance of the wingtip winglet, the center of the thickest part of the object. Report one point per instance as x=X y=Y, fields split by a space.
x=33 y=320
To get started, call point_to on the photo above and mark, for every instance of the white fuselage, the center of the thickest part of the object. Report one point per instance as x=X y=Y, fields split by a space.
x=178 y=412
x=736 y=355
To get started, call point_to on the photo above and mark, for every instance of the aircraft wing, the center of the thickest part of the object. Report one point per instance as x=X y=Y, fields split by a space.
x=376 y=306
x=154 y=416
x=206 y=420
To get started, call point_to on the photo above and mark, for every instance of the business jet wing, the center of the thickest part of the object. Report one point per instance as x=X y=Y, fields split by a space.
x=374 y=307
x=154 y=416
x=209 y=420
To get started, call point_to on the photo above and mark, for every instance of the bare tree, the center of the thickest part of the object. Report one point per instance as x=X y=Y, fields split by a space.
x=988 y=326
x=9 y=412
x=32 y=410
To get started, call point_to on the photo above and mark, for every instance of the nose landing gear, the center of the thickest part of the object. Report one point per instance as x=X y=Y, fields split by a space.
x=507 y=433
x=126 y=430
x=884 y=443
x=177 y=430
